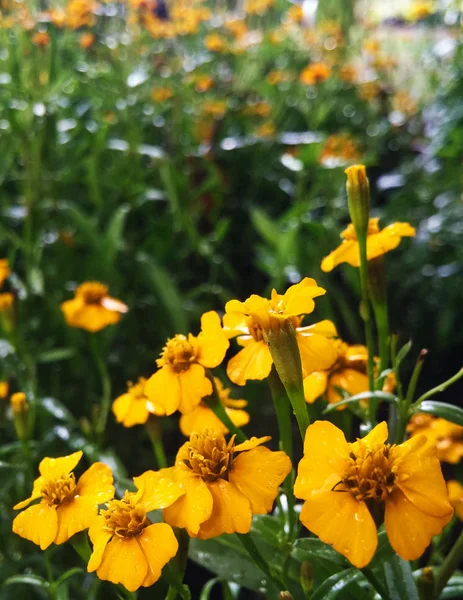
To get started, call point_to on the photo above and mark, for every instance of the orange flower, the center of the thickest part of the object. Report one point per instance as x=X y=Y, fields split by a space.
x=86 y=40
x=66 y=506
x=161 y=94
x=346 y=486
x=134 y=407
x=221 y=491
x=203 y=417
x=315 y=73
x=378 y=243
x=455 y=490
x=446 y=436
x=4 y=388
x=181 y=381
x=127 y=547
x=6 y=302
x=91 y=308
x=4 y=270
x=215 y=43
x=41 y=38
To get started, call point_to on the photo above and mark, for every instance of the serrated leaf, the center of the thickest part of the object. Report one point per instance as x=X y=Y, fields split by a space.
x=442 y=409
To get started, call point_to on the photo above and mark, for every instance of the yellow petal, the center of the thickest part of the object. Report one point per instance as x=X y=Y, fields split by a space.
x=192 y=509
x=235 y=324
x=97 y=483
x=326 y=453
x=455 y=491
x=163 y=389
x=350 y=380
x=347 y=252
x=257 y=474
x=99 y=538
x=74 y=516
x=387 y=239
x=298 y=298
x=252 y=443
x=36 y=493
x=255 y=306
x=374 y=439
x=54 y=468
x=252 y=362
x=318 y=352
x=159 y=545
x=38 y=523
x=315 y=386
x=194 y=386
x=158 y=489
x=91 y=317
x=410 y=530
x=231 y=511
x=212 y=341
x=326 y=328
x=338 y=519
x=121 y=406
x=123 y=562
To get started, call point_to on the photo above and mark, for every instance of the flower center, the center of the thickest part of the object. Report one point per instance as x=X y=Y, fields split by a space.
x=349 y=233
x=92 y=292
x=179 y=353
x=124 y=518
x=370 y=475
x=209 y=455
x=255 y=329
x=57 y=491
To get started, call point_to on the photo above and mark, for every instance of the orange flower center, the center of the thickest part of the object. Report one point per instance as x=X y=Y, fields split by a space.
x=349 y=233
x=125 y=518
x=370 y=475
x=92 y=292
x=254 y=329
x=209 y=455
x=179 y=353
x=57 y=491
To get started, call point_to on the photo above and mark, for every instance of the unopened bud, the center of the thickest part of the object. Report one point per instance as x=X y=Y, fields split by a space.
x=358 y=198
x=7 y=312
x=3 y=389
x=20 y=410
x=285 y=596
x=306 y=577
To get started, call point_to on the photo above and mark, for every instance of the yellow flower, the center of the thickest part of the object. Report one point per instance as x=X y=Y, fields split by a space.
x=80 y=13
x=134 y=407
x=161 y=94
x=315 y=73
x=203 y=417
x=18 y=402
x=257 y=7
x=254 y=361
x=420 y=10
x=378 y=243
x=41 y=38
x=6 y=301
x=127 y=547
x=215 y=43
x=4 y=270
x=221 y=491
x=66 y=506
x=455 y=490
x=446 y=436
x=181 y=381
x=347 y=486
x=91 y=308
x=3 y=389
x=86 y=40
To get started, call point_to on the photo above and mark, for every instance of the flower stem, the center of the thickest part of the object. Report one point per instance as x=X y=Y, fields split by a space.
x=450 y=564
x=382 y=325
x=176 y=587
x=154 y=430
x=259 y=560
x=439 y=388
x=406 y=403
x=106 y=389
x=214 y=403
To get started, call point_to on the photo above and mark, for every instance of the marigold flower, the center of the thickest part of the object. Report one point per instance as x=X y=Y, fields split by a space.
x=127 y=547
x=221 y=490
x=455 y=490
x=181 y=381
x=4 y=387
x=378 y=243
x=161 y=94
x=6 y=301
x=87 y=39
x=134 y=407
x=347 y=486
x=203 y=417
x=91 y=308
x=4 y=270
x=66 y=506
x=41 y=38
x=215 y=43
x=315 y=73
x=18 y=402
x=445 y=435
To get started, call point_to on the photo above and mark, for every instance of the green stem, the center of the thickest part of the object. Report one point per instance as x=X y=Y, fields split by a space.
x=382 y=325
x=175 y=583
x=405 y=404
x=214 y=403
x=440 y=388
x=106 y=389
x=376 y=583
x=259 y=560
x=154 y=430
x=450 y=564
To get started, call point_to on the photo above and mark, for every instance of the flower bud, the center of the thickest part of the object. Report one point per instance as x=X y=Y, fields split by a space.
x=285 y=596
x=358 y=198
x=306 y=577
x=6 y=312
x=20 y=410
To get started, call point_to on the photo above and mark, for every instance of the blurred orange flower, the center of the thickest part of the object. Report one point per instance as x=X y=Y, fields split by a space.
x=315 y=73
x=447 y=436
x=4 y=270
x=41 y=38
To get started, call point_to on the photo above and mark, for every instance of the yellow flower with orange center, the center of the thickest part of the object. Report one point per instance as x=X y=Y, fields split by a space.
x=134 y=407
x=181 y=381
x=455 y=490
x=66 y=506
x=4 y=270
x=378 y=243
x=445 y=435
x=315 y=73
x=221 y=488
x=91 y=308
x=128 y=548
x=348 y=488
x=202 y=417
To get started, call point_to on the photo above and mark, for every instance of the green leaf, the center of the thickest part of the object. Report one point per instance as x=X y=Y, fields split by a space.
x=57 y=409
x=113 y=238
x=402 y=353
x=337 y=583
x=313 y=549
x=266 y=227
x=442 y=409
x=65 y=576
x=363 y=396
x=27 y=580
x=207 y=589
x=51 y=356
x=399 y=579
x=454 y=588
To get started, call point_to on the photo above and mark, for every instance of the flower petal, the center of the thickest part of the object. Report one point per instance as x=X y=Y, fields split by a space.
x=231 y=511
x=159 y=545
x=252 y=362
x=252 y=443
x=192 y=509
x=36 y=493
x=352 y=381
x=374 y=439
x=340 y=520
x=235 y=324
x=97 y=483
x=347 y=252
x=38 y=523
x=257 y=474
x=123 y=562
x=298 y=298
x=99 y=538
x=158 y=489
x=74 y=516
x=54 y=468
x=409 y=529
x=315 y=385
x=212 y=341
x=317 y=352
x=194 y=386
x=163 y=389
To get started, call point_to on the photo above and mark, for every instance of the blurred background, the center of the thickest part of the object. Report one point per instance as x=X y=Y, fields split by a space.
x=187 y=152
